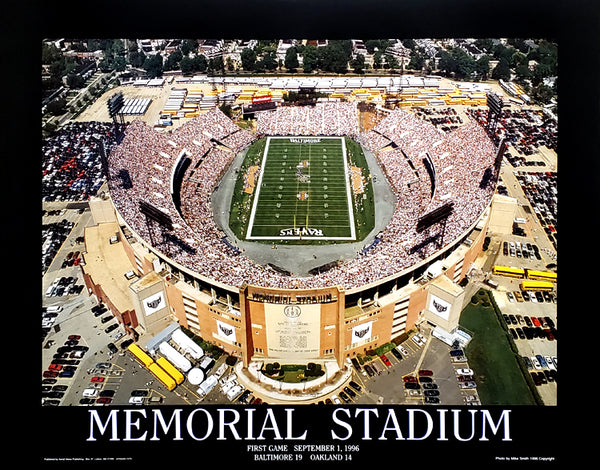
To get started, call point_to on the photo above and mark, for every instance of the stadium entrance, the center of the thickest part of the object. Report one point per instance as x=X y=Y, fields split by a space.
x=294 y=341
x=295 y=326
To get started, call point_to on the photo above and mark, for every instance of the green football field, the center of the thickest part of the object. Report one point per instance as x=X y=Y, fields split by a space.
x=303 y=191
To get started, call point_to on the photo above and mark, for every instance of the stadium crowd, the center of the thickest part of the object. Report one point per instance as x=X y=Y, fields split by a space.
x=407 y=148
x=337 y=118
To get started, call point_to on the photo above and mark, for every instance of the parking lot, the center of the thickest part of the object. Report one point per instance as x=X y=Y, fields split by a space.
x=531 y=320
x=419 y=373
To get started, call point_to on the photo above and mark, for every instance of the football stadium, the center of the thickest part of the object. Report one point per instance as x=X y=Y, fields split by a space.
x=308 y=239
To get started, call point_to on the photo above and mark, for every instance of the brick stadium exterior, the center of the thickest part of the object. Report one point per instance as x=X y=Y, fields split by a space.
x=256 y=313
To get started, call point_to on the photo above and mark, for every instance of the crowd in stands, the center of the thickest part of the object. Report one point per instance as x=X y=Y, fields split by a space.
x=407 y=148
x=337 y=118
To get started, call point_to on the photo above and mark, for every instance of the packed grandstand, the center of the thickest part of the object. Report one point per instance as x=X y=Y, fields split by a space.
x=426 y=168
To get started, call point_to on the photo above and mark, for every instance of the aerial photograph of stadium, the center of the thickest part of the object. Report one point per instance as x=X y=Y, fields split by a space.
x=299 y=221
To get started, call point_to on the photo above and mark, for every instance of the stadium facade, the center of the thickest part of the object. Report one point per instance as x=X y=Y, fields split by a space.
x=151 y=274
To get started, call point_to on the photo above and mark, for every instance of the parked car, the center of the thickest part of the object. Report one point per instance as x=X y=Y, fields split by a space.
x=464 y=371
x=397 y=354
x=355 y=386
x=385 y=360
x=467 y=384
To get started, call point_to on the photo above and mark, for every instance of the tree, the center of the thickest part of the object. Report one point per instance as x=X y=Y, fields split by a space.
x=391 y=62
x=104 y=65
x=200 y=63
x=75 y=81
x=259 y=66
x=522 y=71
x=482 y=66
x=189 y=45
x=137 y=58
x=230 y=64
x=248 y=58
x=377 y=60
x=546 y=54
x=153 y=65
x=291 y=59
x=50 y=54
x=310 y=59
x=417 y=60
x=457 y=62
x=119 y=64
x=334 y=57
x=465 y=64
x=358 y=64
x=57 y=107
x=270 y=61
x=485 y=45
x=502 y=70
x=173 y=60
x=216 y=64
x=187 y=65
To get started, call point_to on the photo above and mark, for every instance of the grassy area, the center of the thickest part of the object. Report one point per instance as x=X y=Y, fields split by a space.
x=498 y=373
x=292 y=373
